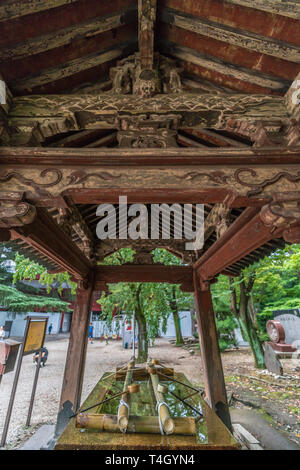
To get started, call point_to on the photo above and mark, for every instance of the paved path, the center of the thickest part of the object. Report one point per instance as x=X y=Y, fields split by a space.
x=269 y=438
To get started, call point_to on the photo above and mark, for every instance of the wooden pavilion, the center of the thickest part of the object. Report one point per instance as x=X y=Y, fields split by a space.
x=176 y=102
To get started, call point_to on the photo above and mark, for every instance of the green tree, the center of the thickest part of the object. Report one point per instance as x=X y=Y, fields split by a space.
x=151 y=303
x=268 y=285
x=178 y=300
x=17 y=296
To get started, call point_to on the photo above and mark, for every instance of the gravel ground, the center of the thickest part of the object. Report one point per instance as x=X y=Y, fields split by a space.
x=100 y=358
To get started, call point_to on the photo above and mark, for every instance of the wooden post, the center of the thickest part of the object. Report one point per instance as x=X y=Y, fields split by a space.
x=76 y=355
x=214 y=383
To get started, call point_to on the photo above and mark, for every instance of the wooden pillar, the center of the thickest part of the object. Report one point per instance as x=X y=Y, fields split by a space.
x=214 y=383
x=76 y=355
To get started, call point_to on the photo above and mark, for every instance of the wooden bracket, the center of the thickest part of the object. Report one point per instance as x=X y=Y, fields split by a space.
x=14 y=212
x=283 y=215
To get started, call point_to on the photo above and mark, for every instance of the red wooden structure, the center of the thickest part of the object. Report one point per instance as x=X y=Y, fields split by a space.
x=175 y=102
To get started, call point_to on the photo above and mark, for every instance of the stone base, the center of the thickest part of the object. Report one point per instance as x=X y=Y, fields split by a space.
x=282 y=347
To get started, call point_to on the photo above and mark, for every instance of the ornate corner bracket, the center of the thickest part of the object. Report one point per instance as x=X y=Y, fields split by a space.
x=282 y=214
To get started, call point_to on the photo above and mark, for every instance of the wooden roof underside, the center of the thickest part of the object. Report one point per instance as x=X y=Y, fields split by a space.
x=69 y=46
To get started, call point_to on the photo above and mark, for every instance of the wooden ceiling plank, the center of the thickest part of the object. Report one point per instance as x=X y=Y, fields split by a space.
x=12 y=9
x=65 y=36
x=198 y=85
x=290 y=9
x=189 y=142
x=248 y=19
x=45 y=236
x=71 y=139
x=68 y=69
x=249 y=76
x=236 y=37
x=215 y=138
x=103 y=141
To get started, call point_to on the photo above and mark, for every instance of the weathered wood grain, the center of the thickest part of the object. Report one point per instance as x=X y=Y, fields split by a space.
x=92 y=175
x=241 y=73
x=102 y=111
x=224 y=33
x=215 y=390
x=291 y=9
x=146 y=19
x=69 y=69
x=11 y=9
x=65 y=36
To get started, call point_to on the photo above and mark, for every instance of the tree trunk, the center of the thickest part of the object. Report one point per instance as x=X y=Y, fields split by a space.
x=173 y=305
x=179 y=339
x=142 y=337
x=244 y=319
x=253 y=338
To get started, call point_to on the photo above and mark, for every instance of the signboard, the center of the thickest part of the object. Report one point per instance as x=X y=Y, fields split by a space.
x=35 y=336
x=35 y=332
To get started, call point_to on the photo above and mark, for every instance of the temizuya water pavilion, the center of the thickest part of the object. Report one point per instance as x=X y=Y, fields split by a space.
x=186 y=102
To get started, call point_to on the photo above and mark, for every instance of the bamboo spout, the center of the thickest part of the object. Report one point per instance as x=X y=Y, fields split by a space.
x=137 y=424
x=123 y=412
x=163 y=411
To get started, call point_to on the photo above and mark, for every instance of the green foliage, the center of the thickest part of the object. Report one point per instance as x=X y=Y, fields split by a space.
x=25 y=298
x=276 y=287
x=17 y=301
x=28 y=270
x=225 y=326
x=154 y=300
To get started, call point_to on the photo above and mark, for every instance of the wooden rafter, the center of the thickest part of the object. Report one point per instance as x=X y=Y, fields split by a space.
x=74 y=66
x=10 y=10
x=291 y=9
x=191 y=56
x=45 y=236
x=232 y=36
x=245 y=235
x=146 y=18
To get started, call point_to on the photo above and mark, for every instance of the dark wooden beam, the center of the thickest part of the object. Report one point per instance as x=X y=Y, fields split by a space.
x=290 y=9
x=146 y=18
x=171 y=157
x=48 y=238
x=249 y=19
x=243 y=74
x=70 y=68
x=215 y=391
x=101 y=111
x=63 y=37
x=192 y=175
x=182 y=275
x=246 y=234
x=47 y=20
x=233 y=36
x=10 y=10
x=76 y=356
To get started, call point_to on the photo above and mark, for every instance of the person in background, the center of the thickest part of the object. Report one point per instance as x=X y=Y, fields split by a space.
x=50 y=328
x=44 y=357
x=2 y=333
x=91 y=328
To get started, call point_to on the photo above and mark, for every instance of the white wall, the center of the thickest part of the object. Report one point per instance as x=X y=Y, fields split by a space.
x=101 y=329
x=18 y=319
x=185 y=322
